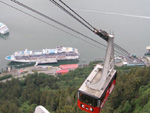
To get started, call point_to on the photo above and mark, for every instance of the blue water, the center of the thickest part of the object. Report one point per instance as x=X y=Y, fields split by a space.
x=129 y=20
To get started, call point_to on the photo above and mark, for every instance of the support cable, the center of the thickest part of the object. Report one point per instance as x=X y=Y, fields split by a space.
x=77 y=14
x=65 y=10
x=121 y=49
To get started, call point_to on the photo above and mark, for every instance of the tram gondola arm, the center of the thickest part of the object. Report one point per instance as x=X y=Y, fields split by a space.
x=96 y=89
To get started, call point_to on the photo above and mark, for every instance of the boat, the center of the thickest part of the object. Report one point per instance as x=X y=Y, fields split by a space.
x=3 y=29
x=148 y=53
x=45 y=56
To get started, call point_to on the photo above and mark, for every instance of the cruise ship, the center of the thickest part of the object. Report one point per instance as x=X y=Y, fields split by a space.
x=3 y=29
x=45 y=55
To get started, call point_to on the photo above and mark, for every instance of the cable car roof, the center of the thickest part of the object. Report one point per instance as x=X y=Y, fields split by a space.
x=94 y=77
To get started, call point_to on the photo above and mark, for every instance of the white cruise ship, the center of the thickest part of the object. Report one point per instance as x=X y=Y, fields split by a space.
x=45 y=55
x=3 y=29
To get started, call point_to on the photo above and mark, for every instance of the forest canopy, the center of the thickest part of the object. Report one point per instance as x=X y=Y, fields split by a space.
x=59 y=94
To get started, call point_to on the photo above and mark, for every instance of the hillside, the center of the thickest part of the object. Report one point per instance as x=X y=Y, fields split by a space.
x=59 y=94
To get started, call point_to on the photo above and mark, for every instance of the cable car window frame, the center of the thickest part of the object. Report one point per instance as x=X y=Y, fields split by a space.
x=93 y=101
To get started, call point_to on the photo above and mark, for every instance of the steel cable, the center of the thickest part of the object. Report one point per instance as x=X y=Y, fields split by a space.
x=65 y=10
x=76 y=14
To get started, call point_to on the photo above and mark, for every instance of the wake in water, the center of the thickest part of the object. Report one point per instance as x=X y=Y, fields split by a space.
x=113 y=13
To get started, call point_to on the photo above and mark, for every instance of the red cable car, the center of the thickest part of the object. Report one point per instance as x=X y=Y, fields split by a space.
x=91 y=100
x=96 y=89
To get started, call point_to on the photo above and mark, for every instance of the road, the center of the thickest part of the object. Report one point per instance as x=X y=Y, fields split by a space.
x=20 y=73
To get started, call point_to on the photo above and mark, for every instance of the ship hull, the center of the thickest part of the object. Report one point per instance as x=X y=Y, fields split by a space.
x=43 y=60
x=49 y=56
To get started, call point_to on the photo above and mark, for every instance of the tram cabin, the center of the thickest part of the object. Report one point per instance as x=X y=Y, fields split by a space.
x=92 y=100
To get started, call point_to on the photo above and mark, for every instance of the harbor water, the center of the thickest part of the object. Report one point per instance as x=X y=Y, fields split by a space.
x=128 y=20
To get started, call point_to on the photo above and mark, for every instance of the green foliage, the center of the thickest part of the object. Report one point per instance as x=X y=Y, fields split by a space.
x=9 y=107
x=27 y=108
x=59 y=94
x=132 y=91
x=55 y=93
x=127 y=107
x=146 y=109
x=5 y=77
x=74 y=78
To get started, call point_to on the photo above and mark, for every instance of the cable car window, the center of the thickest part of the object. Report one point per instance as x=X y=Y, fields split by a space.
x=88 y=100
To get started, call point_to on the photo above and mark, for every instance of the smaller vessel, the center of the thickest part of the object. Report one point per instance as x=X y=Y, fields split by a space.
x=3 y=29
x=148 y=53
